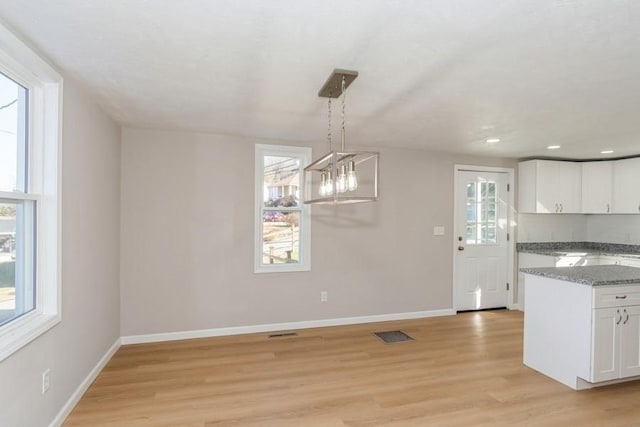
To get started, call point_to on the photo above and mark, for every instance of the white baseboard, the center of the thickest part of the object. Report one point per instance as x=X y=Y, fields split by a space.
x=272 y=327
x=75 y=397
x=218 y=332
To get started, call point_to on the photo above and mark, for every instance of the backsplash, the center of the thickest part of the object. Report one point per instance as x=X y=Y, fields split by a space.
x=552 y=228
x=618 y=229
x=623 y=229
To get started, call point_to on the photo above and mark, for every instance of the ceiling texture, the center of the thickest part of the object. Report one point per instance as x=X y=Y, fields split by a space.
x=441 y=75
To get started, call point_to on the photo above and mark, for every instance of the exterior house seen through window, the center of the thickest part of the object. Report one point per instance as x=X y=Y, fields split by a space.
x=282 y=220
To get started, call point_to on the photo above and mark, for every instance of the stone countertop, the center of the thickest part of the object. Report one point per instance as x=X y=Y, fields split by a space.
x=580 y=252
x=590 y=275
x=580 y=249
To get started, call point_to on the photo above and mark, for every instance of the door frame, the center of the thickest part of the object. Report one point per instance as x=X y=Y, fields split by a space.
x=511 y=221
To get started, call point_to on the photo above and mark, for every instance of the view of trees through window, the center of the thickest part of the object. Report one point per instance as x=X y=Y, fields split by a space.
x=16 y=291
x=281 y=210
x=482 y=202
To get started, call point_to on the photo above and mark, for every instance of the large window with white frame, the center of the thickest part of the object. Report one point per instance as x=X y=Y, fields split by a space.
x=282 y=221
x=30 y=124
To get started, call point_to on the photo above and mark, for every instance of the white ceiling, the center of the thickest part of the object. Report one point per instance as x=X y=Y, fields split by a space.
x=437 y=74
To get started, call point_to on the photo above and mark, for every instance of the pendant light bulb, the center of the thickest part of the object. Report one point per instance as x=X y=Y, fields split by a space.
x=323 y=184
x=352 y=180
x=341 y=183
x=328 y=188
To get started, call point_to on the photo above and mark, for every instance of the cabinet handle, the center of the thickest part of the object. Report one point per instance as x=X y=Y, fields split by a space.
x=608 y=208
x=620 y=319
x=621 y=297
x=627 y=318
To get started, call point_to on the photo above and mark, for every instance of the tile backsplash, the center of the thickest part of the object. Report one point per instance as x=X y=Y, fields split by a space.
x=621 y=229
x=552 y=228
x=614 y=229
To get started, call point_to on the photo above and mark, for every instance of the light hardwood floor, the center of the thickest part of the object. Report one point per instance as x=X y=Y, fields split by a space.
x=463 y=370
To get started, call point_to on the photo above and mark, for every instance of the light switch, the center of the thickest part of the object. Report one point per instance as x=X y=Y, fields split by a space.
x=438 y=230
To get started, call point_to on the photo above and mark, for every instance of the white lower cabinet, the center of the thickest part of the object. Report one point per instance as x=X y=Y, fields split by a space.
x=630 y=342
x=580 y=335
x=615 y=342
x=605 y=364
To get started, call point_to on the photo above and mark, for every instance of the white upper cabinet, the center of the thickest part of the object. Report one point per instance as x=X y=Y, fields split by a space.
x=597 y=187
x=549 y=186
x=626 y=186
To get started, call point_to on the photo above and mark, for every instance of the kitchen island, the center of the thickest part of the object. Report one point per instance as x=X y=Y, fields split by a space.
x=582 y=324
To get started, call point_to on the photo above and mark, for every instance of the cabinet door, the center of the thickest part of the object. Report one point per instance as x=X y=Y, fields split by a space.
x=568 y=187
x=626 y=191
x=630 y=342
x=597 y=187
x=547 y=200
x=559 y=186
x=605 y=360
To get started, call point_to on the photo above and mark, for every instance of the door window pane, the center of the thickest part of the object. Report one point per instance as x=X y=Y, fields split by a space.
x=482 y=205
x=13 y=136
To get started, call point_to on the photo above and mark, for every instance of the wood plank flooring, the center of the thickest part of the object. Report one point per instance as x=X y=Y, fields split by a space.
x=463 y=370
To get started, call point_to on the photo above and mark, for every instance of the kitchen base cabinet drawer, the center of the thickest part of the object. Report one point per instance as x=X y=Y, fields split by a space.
x=616 y=296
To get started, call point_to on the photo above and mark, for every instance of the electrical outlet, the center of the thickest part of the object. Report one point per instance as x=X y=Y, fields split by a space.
x=46 y=381
x=323 y=296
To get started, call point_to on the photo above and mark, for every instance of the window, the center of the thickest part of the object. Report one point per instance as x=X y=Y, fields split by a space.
x=482 y=202
x=29 y=231
x=282 y=220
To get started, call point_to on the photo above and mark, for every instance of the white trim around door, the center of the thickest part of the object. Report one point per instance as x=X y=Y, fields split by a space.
x=511 y=217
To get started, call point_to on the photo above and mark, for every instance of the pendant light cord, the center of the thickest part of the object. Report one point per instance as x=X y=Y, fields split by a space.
x=329 y=123
x=344 y=95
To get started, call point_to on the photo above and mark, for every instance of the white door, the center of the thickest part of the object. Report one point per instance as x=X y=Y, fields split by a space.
x=481 y=249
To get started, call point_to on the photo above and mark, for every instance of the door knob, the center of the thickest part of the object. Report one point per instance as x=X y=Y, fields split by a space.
x=461 y=248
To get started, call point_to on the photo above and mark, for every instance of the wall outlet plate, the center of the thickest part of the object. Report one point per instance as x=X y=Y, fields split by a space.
x=46 y=381
x=438 y=230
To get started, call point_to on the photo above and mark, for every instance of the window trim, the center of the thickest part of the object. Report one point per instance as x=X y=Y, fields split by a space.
x=45 y=86
x=304 y=154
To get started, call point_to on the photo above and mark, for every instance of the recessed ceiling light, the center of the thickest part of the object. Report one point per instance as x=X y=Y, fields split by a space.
x=606 y=152
x=553 y=147
x=493 y=140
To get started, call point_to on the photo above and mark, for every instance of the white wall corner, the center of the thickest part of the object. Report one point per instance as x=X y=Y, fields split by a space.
x=84 y=385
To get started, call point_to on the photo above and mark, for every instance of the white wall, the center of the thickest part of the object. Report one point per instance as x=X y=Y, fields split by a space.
x=90 y=268
x=552 y=228
x=623 y=229
x=187 y=239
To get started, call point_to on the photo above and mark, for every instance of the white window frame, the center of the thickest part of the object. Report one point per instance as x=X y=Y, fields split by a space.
x=44 y=85
x=304 y=155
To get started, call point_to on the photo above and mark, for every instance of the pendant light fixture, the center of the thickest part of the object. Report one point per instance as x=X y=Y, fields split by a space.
x=343 y=176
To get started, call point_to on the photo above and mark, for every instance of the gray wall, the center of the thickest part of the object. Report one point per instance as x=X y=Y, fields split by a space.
x=90 y=267
x=187 y=239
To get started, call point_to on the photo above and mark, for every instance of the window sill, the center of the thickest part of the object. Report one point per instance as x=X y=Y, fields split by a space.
x=22 y=331
x=283 y=268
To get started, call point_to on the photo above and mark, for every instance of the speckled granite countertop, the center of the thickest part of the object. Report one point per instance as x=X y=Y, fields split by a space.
x=580 y=249
x=590 y=275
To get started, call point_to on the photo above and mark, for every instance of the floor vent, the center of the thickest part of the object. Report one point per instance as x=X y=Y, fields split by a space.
x=284 y=334
x=391 y=337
